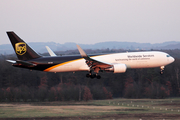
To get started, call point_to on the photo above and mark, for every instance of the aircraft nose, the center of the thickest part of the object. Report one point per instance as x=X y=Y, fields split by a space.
x=172 y=59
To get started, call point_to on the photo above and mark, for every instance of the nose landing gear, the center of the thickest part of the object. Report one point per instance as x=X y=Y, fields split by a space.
x=162 y=69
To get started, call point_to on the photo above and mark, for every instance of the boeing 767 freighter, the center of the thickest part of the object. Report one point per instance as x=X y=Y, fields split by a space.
x=117 y=62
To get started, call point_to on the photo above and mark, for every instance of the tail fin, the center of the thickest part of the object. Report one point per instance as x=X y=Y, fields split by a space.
x=23 y=51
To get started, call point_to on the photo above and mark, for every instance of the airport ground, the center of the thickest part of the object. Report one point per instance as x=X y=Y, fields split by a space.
x=116 y=109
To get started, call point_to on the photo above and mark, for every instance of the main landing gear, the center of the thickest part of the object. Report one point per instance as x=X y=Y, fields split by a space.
x=162 y=69
x=90 y=75
x=96 y=70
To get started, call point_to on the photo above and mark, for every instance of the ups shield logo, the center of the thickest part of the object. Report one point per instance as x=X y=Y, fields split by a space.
x=20 y=48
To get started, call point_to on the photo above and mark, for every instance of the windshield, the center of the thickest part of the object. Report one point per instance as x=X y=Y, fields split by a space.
x=168 y=56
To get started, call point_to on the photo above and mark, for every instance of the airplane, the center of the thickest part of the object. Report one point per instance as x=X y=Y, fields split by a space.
x=116 y=62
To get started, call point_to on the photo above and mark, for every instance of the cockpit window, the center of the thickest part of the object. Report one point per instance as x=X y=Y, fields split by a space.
x=168 y=56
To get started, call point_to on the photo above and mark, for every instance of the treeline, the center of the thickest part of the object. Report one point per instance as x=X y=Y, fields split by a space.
x=60 y=92
x=17 y=84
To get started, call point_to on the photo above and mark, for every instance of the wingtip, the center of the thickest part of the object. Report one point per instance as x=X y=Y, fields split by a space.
x=77 y=45
x=81 y=51
x=50 y=51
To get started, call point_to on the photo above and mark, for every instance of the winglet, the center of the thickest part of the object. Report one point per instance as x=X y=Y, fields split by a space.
x=50 y=51
x=81 y=51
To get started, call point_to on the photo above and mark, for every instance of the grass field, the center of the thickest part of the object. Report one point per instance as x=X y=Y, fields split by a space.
x=96 y=109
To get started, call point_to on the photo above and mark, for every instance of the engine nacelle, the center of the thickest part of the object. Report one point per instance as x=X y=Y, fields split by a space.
x=118 y=68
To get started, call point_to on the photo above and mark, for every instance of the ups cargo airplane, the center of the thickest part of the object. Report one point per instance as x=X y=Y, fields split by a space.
x=117 y=62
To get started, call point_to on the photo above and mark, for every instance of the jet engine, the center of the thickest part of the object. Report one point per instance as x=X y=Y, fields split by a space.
x=117 y=68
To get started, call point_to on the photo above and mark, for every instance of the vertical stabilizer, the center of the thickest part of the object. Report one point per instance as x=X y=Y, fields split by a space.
x=22 y=50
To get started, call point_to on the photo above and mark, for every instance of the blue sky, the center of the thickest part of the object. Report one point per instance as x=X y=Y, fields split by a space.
x=91 y=21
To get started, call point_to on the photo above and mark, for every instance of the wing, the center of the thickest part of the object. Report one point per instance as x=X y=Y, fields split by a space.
x=92 y=63
x=50 y=51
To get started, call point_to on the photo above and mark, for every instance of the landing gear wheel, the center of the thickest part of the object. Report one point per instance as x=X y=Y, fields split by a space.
x=88 y=75
x=162 y=69
x=161 y=72
x=92 y=76
x=98 y=77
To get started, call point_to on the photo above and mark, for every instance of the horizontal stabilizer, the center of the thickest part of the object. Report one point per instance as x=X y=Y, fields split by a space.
x=11 y=61
x=20 y=62
x=25 y=63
